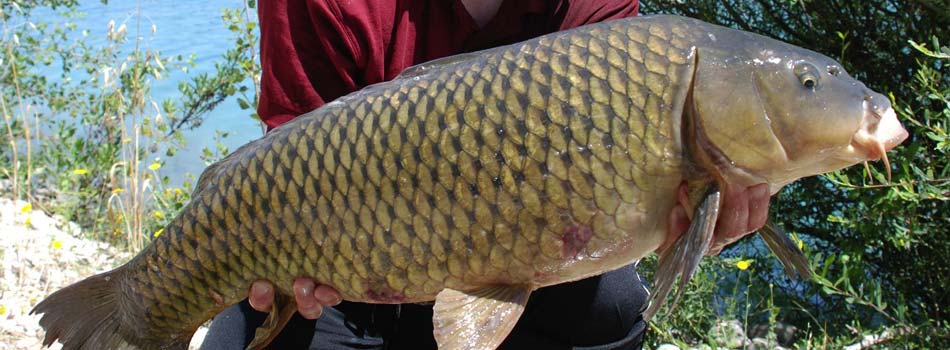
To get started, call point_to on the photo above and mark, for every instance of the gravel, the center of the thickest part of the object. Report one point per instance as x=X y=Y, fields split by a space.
x=41 y=254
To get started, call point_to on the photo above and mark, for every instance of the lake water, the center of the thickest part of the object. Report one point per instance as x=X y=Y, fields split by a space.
x=182 y=28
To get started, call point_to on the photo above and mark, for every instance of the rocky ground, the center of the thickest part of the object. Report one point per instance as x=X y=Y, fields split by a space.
x=39 y=255
x=729 y=334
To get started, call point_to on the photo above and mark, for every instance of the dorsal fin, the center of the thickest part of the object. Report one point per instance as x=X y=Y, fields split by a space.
x=425 y=67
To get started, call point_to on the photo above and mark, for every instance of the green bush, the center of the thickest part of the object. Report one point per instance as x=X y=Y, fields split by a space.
x=86 y=134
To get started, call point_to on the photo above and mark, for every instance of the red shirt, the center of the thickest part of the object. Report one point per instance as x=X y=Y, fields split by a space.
x=313 y=51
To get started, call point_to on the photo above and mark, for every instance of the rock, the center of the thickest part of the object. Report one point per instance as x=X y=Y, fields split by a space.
x=763 y=344
x=728 y=334
x=785 y=334
x=668 y=347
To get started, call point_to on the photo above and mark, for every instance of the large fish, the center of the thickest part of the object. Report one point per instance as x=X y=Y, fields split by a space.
x=475 y=179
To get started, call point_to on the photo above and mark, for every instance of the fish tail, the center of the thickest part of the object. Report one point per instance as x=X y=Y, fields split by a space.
x=86 y=315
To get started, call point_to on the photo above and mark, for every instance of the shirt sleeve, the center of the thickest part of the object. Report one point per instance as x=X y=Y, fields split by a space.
x=306 y=58
x=314 y=51
x=579 y=13
x=521 y=20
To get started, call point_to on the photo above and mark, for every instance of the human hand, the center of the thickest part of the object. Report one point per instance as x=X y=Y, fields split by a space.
x=310 y=297
x=743 y=210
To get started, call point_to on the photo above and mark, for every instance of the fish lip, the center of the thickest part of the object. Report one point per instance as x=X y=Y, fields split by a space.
x=878 y=133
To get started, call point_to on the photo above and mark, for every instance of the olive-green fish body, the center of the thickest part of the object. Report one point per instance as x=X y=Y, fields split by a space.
x=470 y=180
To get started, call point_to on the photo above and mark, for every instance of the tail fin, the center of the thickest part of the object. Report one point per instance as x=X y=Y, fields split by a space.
x=85 y=315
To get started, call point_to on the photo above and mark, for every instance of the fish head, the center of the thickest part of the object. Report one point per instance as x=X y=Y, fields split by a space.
x=768 y=112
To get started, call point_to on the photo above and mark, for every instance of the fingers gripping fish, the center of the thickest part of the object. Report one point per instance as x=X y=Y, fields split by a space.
x=476 y=179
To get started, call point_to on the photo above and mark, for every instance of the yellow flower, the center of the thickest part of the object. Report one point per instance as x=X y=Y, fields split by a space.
x=744 y=264
x=3 y=310
x=80 y=171
x=158 y=215
x=154 y=166
x=798 y=241
x=159 y=232
x=27 y=222
x=56 y=245
x=26 y=208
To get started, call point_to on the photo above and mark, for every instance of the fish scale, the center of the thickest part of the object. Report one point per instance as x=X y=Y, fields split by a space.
x=474 y=179
x=472 y=133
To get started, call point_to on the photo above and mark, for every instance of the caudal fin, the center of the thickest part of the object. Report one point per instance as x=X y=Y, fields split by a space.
x=85 y=315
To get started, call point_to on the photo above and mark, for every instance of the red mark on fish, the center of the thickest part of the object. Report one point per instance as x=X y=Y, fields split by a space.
x=385 y=295
x=574 y=239
x=217 y=298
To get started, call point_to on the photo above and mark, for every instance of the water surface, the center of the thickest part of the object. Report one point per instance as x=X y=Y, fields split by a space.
x=182 y=28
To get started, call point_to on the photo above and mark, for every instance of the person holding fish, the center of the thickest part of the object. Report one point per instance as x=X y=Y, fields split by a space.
x=484 y=183
x=313 y=51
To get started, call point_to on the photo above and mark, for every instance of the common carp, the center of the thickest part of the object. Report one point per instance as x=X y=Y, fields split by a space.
x=475 y=179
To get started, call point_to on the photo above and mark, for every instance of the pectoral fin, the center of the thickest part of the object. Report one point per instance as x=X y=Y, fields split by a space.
x=682 y=258
x=281 y=312
x=479 y=319
x=786 y=250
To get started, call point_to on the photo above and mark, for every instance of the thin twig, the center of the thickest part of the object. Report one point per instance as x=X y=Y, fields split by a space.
x=251 y=49
x=889 y=185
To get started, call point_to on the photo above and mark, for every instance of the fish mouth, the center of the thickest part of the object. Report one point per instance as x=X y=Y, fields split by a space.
x=879 y=132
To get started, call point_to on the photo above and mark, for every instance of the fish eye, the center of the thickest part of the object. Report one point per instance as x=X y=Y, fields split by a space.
x=809 y=82
x=807 y=74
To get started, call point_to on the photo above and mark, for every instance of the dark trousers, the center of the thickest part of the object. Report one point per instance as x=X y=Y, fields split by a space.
x=601 y=312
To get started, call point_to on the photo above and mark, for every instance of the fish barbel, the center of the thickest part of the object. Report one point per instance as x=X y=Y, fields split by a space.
x=475 y=179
